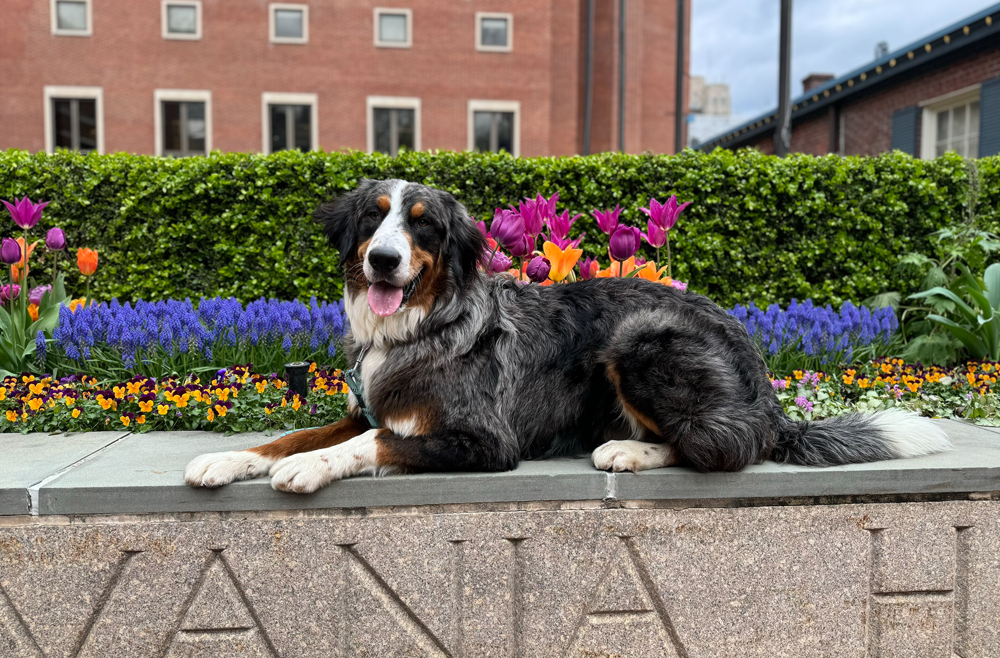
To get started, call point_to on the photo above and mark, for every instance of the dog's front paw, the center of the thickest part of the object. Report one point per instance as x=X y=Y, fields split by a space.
x=632 y=456
x=218 y=468
x=303 y=473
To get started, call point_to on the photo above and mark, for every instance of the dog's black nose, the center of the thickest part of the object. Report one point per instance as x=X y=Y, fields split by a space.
x=383 y=260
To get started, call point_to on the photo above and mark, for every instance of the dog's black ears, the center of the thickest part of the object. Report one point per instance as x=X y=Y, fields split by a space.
x=465 y=243
x=339 y=220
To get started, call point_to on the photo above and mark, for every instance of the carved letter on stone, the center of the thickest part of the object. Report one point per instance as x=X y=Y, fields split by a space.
x=217 y=618
x=625 y=613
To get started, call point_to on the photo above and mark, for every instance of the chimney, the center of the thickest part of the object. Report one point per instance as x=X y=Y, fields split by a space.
x=815 y=80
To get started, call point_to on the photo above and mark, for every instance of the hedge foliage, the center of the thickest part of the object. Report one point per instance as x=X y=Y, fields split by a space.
x=760 y=229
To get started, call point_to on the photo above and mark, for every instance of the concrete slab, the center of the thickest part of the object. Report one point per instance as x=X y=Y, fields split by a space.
x=144 y=473
x=29 y=458
x=974 y=465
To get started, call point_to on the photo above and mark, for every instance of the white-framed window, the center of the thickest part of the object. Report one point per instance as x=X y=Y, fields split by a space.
x=72 y=18
x=181 y=19
x=288 y=23
x=74 y=118
x=494 y=32
x=393 y=27
x=289 y=121
x=951 y=123
x=393 y=123
x=182 y=121
x=495 y=126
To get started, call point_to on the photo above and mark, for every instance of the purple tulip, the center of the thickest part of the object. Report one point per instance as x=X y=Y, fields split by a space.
x=665 y=216
x=655 y=236
x=25 y=214
x=10 y=252
x=507 y=228
x=546 y=207
x=585 y=267
x=501 y=262
x=607 y=220
x=625 y=242
x=55 y=239
x=481 y=225
x=524 y=247
x=538 y=269
x=35 y=296
x=563 y=243
x=5 y=295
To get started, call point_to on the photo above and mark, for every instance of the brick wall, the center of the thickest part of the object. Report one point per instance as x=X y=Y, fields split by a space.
x=868 y=120
x=128 y=58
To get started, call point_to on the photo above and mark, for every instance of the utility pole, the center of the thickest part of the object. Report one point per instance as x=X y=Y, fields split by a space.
x=621 y=76
x=783 y=131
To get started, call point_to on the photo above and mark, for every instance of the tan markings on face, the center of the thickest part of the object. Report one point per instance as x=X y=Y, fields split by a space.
x=417 y=210
x=384 y=203
x=354 y=273
x=433 y=281
x=640 y=417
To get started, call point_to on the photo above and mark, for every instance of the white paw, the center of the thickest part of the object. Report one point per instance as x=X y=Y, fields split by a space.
x=632 y=456
x=309 y=471
x=219 y=468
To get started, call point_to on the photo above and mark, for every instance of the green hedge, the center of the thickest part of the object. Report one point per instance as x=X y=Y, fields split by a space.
x=760 y=228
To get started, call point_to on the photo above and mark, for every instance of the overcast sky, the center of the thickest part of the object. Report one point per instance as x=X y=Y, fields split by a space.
x=736 y=41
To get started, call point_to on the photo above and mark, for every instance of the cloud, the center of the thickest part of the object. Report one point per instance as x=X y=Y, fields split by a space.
x=736 y=41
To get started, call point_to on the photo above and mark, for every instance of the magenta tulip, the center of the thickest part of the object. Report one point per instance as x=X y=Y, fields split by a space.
x=10 y=252
x=607 y=220
x=560 y=225
x=546 y=207
x=538 y=269
x=533 y=220
x=586 y=268
x=25 y=213
x=624 y=242
x=524 y=247
x=655 y=236
x=55 y=239
x=5 y=295
x=665 y=216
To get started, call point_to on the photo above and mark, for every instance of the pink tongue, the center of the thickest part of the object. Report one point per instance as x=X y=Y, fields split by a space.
x=384 y=299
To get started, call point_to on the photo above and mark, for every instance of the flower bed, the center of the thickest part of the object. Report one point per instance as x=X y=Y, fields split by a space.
x=235 y=399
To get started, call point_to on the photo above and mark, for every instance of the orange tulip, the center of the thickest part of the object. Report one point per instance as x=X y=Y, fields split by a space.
x=650 y=273
x=618 y=269
x=86 y=260
x=562 y=260
x=33 y=312
x=16 y=269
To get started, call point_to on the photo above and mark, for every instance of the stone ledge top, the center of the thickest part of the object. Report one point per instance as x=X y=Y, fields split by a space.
x=117 y=473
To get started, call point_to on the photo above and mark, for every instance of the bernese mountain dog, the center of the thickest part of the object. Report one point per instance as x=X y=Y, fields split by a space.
x=456 y=370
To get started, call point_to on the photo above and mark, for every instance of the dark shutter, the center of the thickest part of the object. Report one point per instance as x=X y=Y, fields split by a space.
x=904 y=130
x=989 y=118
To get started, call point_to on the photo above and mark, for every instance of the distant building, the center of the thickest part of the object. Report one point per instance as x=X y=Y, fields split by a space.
x=708 y=98
x=184 y=77
x=938 y=94
x=710 y=111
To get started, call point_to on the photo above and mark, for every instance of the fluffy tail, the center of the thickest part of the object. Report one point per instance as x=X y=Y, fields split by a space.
x=857 y=438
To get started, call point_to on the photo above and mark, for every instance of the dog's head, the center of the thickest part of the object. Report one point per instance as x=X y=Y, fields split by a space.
x=403 y=245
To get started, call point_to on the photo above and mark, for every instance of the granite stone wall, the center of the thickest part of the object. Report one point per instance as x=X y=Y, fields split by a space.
x=575 y=579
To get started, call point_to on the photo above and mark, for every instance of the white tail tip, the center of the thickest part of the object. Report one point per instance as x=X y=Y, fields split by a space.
x=910 y=435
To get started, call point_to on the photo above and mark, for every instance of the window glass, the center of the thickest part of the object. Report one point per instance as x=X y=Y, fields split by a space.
x=71 y=15
x=63 y=123
x=182 y=19
x=171 y=126
x=392 y=27
x=288 y=23
x=494 y=31
x=196 y=127
x=302 y=115
x=279 y=131
x=483 y=126
x=404 y=129
x=87 y=111
x=505 y=131
x=383 y=130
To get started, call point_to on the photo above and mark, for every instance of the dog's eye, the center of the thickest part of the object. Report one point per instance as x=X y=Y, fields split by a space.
x=374 y=217
x=422 y=222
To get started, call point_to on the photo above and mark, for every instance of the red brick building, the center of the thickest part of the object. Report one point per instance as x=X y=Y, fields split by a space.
x=938 y=94
x=177 y=77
